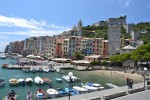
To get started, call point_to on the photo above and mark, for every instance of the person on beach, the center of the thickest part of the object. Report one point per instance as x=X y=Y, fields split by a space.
x=131 y=83
x=128 y=82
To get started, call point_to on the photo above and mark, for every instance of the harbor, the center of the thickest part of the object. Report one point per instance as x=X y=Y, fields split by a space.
x=85 y=76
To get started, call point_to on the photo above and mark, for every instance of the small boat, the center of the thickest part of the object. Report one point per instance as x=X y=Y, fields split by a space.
x=11 y=96
x=98 y=86
x=2 y=82
x=29 y=80
x=58 y=79
x=38 y=80
x=72 y=91
x=59 y=70
x=90 y=88
x=45 y=69
x=72 y=78
x=52 y=69
x=32 y=69
x=39 y=69
x=4 y=65
x=52 y=93
x=80 y=89
x=13 y=82
x=40 y=94
x=46 y=80
x=62 y=92
x=110 y=85
x=21 y=81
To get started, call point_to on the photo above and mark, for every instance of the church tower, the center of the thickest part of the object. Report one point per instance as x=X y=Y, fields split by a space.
x=80 y=26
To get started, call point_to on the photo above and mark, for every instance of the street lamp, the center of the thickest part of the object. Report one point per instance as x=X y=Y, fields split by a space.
x=145 y=70
x=70 y=74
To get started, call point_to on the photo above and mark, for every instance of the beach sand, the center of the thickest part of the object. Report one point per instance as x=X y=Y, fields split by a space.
x=120 y=74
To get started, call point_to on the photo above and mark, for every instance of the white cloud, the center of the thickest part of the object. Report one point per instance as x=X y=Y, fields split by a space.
x=148 y=5
x=124 y=3
x=30 y=27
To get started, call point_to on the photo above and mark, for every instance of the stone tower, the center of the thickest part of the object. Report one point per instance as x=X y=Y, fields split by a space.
x=114 y=39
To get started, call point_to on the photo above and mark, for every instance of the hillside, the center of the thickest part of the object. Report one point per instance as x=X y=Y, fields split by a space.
x=101 y=32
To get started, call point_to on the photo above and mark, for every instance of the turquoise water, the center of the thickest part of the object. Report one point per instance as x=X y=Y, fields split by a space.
x=85 y=76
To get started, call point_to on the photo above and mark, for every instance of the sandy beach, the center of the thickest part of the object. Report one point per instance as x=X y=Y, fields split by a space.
x=120 y=74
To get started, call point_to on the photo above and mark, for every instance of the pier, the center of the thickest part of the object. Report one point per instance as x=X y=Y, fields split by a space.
x=113 y=94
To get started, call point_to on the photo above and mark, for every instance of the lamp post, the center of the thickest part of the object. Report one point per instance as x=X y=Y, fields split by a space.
x=145 y=70
x=70 y=74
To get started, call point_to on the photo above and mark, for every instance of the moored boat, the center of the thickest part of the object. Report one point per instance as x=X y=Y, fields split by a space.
x=13 y=82
x=38 y=80
x=58 y=79
x=29 y=80
x=4 y=65
x=72 y=91
x=45 y=69
x=98 y=86
x=26 y=70
x=11 y=96
x=62 y=92
x=52 y=93
x=80 y=89
x=90 y=88
x=59 y=70
x=110 y=85
x=21 y=81
x=40 y=94
x=72 y=78
x=46 y=80
x=2 y=82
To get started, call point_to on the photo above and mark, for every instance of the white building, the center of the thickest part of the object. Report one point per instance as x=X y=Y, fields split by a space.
x=128 y=48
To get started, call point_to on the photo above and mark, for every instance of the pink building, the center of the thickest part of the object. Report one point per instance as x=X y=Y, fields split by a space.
x=59 y=45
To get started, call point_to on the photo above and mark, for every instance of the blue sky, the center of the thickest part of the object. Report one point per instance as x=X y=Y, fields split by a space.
x=20 y=19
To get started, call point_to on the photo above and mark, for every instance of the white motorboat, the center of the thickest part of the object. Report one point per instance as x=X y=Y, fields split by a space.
x=38 y=80
x=80 y=89
x=90 y=88
x=72 y=78
x=29 y=80
x=98 y=86
x=52 y=93
x=45 y=69
x=21 y=81
x=110 y=85
x=2 y=82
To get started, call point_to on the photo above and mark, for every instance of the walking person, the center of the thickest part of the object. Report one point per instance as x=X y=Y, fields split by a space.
x=128 y=82
x=131 y=83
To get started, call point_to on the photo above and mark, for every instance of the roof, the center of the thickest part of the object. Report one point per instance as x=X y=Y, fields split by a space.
x=129 y=47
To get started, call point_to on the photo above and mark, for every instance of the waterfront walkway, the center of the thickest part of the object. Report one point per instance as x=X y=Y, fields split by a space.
x=121 y=92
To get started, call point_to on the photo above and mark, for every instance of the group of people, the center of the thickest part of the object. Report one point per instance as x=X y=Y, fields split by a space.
x=130 y=83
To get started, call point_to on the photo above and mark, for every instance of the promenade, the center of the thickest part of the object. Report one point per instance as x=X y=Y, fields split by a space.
x=124 y=94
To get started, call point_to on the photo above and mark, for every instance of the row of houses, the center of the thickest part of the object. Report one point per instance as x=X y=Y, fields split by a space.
x=59 y=47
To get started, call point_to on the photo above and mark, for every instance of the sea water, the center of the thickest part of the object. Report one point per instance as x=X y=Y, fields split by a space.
x=85 y=76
